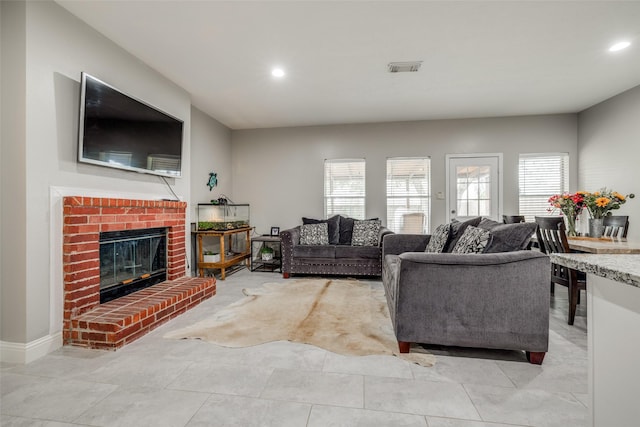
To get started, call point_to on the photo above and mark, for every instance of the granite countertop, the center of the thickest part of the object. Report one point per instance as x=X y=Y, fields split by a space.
x=618 y=267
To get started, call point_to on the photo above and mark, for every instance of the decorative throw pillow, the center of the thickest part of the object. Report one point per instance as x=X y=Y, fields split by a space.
x=457 y=230
x=314 y=234
x=365 y=233
x=439 y=238
x=346 y=229
x=333 y=224
x=508 y=237
x=488 y=224
x=472 y=241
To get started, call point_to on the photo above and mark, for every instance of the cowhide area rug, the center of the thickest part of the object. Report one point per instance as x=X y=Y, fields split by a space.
x=347 y=317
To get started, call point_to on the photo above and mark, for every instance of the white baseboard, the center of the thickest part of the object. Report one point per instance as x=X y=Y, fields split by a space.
x=24 y=353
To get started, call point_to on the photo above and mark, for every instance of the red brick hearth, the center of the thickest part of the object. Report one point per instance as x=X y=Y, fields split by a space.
x=118 y=322
x=111 y=325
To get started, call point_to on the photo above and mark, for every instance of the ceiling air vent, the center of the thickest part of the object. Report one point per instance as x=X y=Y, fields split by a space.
x=404 y=67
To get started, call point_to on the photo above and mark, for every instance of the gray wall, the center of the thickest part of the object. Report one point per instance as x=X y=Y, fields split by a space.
x=210 y=152
x=50 y=48
x=609 y=148
x=280 y=171
x=13 y=194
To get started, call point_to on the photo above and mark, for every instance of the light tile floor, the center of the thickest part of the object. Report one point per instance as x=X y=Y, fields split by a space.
x=160 y=382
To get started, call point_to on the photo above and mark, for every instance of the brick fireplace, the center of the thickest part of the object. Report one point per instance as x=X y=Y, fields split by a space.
x=115 y=323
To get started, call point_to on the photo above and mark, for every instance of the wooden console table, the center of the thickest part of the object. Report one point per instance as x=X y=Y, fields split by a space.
x=224 y=262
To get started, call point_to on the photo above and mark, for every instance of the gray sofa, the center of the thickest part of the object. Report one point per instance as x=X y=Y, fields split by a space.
x=331 y=259
x=485 y=300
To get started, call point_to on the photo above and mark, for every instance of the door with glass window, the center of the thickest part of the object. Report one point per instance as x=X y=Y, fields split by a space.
x=474 y=186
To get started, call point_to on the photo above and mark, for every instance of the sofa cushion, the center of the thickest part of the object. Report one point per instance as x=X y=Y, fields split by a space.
x=311 y=251
x=333 y=225
x=457 y=230
x=472 y=241
x=314 y=234
x=366 y=233
x=508 y=237
x=368 y=252
x=439 y=238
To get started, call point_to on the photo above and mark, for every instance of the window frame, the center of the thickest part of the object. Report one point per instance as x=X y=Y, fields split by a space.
x=526 y=201
x=337 y=196
x=410 y=198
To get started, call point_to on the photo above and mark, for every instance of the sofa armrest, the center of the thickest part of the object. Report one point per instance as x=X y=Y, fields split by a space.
x=396 y=244
x=289 y=238
x=383 y=232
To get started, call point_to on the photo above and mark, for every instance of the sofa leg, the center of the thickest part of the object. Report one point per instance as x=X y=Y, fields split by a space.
x=535 y=357
x=404 y=346
x=285 y=275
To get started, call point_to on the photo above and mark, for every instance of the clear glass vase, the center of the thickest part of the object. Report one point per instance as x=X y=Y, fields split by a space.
x=571 y=225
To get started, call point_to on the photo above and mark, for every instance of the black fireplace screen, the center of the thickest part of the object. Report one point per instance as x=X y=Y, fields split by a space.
x=131 y=260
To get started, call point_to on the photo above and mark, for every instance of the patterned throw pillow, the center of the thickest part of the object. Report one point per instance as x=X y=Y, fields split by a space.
x=457 y=230
x=472 y=241
x=365 y=233
x=314 y=234
x=334 y=227
x=439 y=238
x=346 y=229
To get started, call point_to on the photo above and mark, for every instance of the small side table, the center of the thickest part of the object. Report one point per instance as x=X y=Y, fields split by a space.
x=259 y=264
x=226 y=259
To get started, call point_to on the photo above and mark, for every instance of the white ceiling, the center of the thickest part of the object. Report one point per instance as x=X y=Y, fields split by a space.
x=481 y=58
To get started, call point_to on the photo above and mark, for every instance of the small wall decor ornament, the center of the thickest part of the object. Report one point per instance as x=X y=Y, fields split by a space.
x=213 y=180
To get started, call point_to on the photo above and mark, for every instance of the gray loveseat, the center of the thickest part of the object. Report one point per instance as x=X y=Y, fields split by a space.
x=485 y=300
x=338 y=257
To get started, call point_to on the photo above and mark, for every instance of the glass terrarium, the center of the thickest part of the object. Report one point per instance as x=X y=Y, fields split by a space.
x=222 y=217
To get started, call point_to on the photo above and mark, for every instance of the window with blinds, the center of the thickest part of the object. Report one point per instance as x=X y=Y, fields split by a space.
x=541 y=176
x=409 y=194
x=344 y=188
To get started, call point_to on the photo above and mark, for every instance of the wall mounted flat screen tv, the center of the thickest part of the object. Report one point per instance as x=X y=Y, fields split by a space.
x=119 y=131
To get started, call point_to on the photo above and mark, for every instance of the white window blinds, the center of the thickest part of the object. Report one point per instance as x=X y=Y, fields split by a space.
x=541 y=176
x=409 y=194
x=344 y=188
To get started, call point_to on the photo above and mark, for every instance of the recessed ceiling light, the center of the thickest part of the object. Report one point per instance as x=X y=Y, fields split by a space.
x=277 y=72
x=619 y=46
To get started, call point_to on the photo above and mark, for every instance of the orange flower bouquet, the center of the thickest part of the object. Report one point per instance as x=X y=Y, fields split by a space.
x=601 y=203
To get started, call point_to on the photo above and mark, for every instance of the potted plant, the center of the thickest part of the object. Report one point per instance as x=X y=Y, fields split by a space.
x=266 y=253
x=210 y=256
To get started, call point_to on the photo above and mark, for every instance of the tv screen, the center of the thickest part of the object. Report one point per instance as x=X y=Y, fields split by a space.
x=119 y=131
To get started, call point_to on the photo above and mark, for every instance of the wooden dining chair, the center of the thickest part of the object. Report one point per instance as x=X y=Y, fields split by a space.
x=616 y=226
x=552 y=238
x=512 y=219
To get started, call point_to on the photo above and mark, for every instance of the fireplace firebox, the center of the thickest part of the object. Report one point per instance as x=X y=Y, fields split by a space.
x=131 y=260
